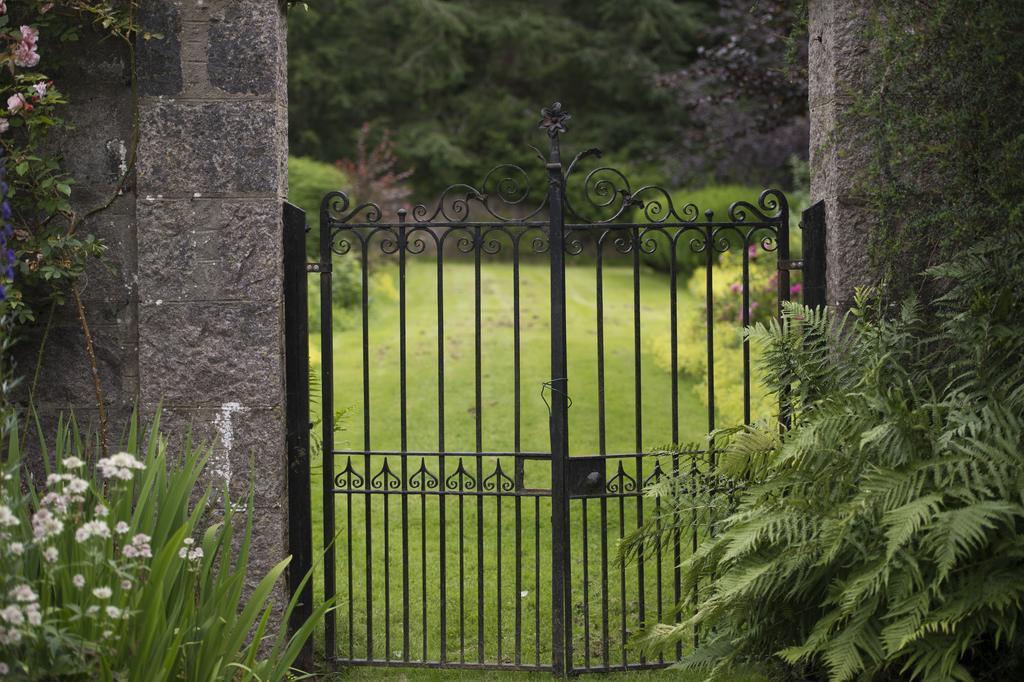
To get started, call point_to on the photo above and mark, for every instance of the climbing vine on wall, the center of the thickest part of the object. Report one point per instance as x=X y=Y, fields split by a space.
x=946 y=131
x=44 y=250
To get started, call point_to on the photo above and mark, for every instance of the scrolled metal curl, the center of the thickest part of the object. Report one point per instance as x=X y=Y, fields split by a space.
x=621 y=482
x=771 y=206
x=648 y=244
x=623 y=243
x=658 y=209
x=460 y=479
x=390 y=245
x=348 y=478
x=499 y=480
x=511 y=185
x=540 y=244
x=386 y=479
x=422 y=478
x=490 y=245
x=335 y=210
x=450 y=210
x=655 y=475
x=572 y=246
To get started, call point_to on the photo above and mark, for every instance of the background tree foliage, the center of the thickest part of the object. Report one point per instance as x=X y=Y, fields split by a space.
x=459 y=82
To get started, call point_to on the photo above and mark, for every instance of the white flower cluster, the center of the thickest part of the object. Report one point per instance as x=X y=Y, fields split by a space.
x=92 y=529
x=24 y=609
x=139 y=547
x=193 y=554
x=45 y=524
x=7 y=517
x=119 y=466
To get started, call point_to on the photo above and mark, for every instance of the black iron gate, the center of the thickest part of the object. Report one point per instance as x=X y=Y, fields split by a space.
x=451 y=535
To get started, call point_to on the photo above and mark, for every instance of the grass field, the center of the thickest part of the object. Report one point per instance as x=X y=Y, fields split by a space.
x=486 y=569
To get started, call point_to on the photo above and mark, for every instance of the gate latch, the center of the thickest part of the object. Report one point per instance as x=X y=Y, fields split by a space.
x=585 y=476
x=791 y=265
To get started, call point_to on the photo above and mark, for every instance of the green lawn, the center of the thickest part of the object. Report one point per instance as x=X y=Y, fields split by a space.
x=486 y=526
x=415 y=675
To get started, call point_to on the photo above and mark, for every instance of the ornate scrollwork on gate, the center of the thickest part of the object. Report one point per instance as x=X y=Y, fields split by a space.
x=386 y=479
x=499 y=480
x=460 y=479
x=655 y=476
x=621 y=482
x=422 y=478
x=348 y=478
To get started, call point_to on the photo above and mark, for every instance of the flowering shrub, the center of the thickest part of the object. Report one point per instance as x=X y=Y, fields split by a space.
x=42 y=244
x=105 y=570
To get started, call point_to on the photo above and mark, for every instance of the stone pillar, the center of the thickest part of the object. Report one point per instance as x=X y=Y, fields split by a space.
x=211 y=178
x=840 y=150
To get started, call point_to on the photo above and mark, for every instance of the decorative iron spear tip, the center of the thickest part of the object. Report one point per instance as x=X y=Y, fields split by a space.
x=553 y=119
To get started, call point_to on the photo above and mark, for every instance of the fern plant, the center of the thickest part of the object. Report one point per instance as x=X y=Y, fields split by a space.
x=881 y=536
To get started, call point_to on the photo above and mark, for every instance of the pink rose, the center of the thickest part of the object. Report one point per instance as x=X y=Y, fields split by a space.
x=3 y=7
x=40 y=89
x=16 y=102
x=25 y=54
x=29 y=36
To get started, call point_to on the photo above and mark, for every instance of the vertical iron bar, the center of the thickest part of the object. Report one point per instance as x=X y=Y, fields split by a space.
x=423 y=552
x=586 y=588
x=479 y=406
x=517 y=444
x=536 y=577
x=498 y=500
x=367 y=463
x=674 y=334
x=442 y=481
x=559 y=415
x=462 y=569
x=386 y=501
x=622 y=567
x=785 y=408
x=403 y=428
x=813 y=224
x=709 y=303
x=300 y=526
x=327 y=424
x=639 y=420
x=350 y=592
x=602 y=448
x=784 y=293
x=745 y=292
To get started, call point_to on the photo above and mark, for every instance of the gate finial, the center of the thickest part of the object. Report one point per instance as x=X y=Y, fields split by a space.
x=553 y=119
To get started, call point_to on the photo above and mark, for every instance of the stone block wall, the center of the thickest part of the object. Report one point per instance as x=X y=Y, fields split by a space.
x=187 y=312
x=837 y=71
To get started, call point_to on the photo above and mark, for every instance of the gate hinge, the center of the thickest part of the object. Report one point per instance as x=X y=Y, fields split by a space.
x=791 y=265
x=318 y=267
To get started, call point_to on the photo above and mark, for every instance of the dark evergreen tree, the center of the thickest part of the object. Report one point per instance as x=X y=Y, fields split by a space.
x=458 y=82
